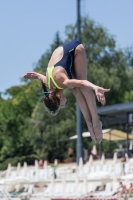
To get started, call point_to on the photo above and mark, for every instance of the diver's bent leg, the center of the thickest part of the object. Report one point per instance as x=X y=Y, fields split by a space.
x=80 y=68
x=84 y=109
x=91 y=103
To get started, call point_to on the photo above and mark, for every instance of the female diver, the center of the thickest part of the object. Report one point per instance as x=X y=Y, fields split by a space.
x=67 y=68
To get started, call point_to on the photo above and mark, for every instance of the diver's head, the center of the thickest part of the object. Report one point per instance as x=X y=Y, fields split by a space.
x=54 y=99
x=62 y=98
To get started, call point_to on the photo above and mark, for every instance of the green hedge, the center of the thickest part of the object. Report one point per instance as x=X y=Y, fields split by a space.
x=29 y=159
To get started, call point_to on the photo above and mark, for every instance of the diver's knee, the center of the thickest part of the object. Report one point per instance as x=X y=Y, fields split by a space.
x=85 y=90
x=80 y=48
x=75 y=91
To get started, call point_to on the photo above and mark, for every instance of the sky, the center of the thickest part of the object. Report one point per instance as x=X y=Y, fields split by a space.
x=28 y=27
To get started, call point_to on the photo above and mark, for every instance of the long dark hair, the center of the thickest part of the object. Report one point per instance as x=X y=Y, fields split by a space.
x=51 y=101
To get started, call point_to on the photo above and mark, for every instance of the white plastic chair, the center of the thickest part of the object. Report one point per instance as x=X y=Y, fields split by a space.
x=127 y=168
x=118 y=169
x=30 y=174
x=85 y=169
x=92 y=168
x=90 y=187
x=58 y=190
x=41 y=174
x=50 y=172
x=28 y=193
x=22 y=172
x=57 y=172
x=105 y=168
x=13 y=174
x=4 y=192
x=115 y=185
x=108 y=189
x=110 y=168
x=98 y=168
x=83 y=190
x=46 y=193
x=48 y=190
x=81 y=173
x=75 y=191
x=106 y=192
x=78 y=190
x=69 y=190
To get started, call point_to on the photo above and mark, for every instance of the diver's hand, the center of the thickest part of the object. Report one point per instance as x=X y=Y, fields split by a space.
x=31 y=75
x=99 y=91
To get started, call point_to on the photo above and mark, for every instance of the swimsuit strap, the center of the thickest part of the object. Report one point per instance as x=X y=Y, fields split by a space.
x=49 y=70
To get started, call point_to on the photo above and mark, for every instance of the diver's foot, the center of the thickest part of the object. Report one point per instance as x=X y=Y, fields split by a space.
x=98 y=131
x=93 y=137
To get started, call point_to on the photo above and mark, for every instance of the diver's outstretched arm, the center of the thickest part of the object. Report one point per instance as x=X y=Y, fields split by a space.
x=35 y=75
x=99 y=91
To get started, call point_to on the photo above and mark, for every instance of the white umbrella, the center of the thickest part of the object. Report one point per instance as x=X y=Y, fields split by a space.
x=23 y=171
x=87 y=134
x=103 y=159
x=90 y=160
x=115 y=158
x=131 y=146
x=108 y=134
x=80 y=163
x=46 y=168
x=36 y=165
x=8 y=171
x=18 y=168
x=9 y=167
x=87 y=166
x=126 y=155
x=55 y=162
x=94 y=150
x=25 y=166
x=45 y=164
